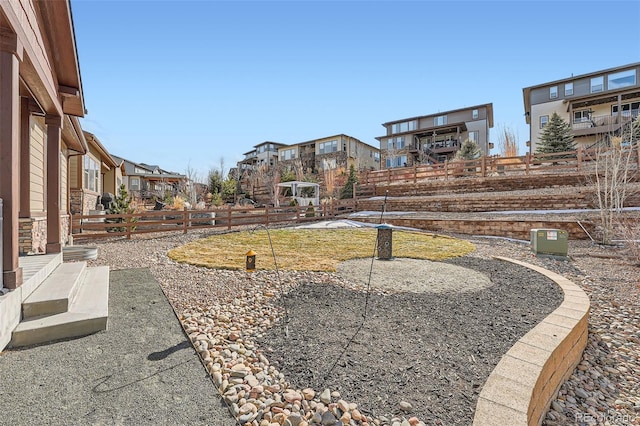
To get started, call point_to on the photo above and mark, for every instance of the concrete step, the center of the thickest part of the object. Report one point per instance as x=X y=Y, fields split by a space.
x=86 y=315
x=56 y=292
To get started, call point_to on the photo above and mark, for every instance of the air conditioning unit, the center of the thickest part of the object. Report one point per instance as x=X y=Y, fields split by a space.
x=552 y=242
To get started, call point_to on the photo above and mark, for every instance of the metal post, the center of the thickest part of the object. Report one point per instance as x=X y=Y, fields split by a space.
x=385 y=242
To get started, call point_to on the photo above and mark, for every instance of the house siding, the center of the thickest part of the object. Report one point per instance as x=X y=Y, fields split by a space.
x=37 y=172
x=64 y=187
x=73 y=171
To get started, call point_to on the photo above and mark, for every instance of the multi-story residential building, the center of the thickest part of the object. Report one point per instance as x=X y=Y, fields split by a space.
x=262 y=154
x=144 y=181
x=595 y=104
x=435 y=137
x=92 y=174
x=337 y=152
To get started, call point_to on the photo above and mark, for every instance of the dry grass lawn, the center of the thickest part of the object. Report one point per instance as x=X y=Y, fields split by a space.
x=312 y=249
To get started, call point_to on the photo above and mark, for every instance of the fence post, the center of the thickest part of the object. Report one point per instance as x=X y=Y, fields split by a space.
x=579 y=158
x=228 y=217
x=527 y=162
x=483 y=166
x=266 y=213
x=388 y=175
x=127 y=222
x=185 y=216
x=446 y=169
x=415 y=173
x=638 y=152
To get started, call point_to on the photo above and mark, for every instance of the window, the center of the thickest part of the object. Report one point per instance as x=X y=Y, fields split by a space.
x=621 y=79
x=553 y=92
x=407 y=126
x=597 y=84
x=474 y=136
x=91 y=174
x=139 y=170
x=134 y=183
x=474 y=114
x=440 y=121
x=543 y=120
x=327 y=147
x=627 y=110
x=568 y=89
x=287 y=154
x=376 y=157
x=395 y=143
x=581 y=116
x=399 y=161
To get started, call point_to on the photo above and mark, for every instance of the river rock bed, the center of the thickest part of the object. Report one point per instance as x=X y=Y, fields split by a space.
x=225 y=309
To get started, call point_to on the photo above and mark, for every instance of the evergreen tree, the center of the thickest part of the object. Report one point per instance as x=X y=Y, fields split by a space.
x=347 y=189
x=468 y=151
x=556 y=136
x=121 y=205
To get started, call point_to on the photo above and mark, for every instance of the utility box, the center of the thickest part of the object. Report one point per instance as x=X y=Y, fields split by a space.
x=553 y=242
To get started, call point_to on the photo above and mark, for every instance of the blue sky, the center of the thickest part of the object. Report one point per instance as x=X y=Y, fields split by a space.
x=194 y=84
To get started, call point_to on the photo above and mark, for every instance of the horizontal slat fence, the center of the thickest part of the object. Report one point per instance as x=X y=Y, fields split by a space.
x=559 y=162
x=117 y=225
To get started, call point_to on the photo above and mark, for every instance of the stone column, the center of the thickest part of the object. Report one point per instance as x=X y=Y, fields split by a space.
x=54 y=134
x=10 y=57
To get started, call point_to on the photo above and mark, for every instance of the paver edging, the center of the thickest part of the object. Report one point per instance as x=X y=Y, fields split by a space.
x=527 y=378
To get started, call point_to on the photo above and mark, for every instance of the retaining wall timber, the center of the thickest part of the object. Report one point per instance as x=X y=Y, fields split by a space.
x=510 y=228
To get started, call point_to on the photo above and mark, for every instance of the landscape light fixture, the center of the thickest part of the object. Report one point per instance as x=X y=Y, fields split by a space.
x=251 y=261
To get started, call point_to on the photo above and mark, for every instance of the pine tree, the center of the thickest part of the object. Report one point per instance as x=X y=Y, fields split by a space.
x=468 y=151
x=556 y=136
x=121 y=205
x=347 y=189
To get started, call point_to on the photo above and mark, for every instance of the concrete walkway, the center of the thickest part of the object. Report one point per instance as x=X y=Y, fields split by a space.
x=141 y=371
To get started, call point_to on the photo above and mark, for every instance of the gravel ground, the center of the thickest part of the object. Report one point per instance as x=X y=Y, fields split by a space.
x=230 y=317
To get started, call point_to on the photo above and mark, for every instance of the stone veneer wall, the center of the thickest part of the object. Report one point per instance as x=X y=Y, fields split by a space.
x=81 y=201
x=32 y=234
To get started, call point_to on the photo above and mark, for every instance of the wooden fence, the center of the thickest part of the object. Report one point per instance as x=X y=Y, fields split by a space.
x=118 y=225
x=570 y=161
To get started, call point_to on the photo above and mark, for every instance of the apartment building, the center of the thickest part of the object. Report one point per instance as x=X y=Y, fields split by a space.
x=435 y=137
x=264 y=153
x=336 y=152
x=595 y=104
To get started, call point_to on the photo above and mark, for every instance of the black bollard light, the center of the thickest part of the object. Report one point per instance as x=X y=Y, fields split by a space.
x=385 y=242
x=251 y=261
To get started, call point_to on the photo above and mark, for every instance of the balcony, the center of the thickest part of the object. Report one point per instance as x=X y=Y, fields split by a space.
x=442 y=147
x=601 y=124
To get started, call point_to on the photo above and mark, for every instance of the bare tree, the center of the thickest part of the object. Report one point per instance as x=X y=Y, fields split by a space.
x=269 y=177
x=614 y=172
x=507 y=143
x=297 y=169
x=191 y=188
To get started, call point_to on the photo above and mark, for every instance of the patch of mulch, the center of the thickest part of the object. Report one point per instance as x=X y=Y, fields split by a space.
x=433 y=350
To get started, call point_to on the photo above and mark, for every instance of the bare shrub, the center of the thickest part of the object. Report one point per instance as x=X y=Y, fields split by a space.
x=628 y=230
